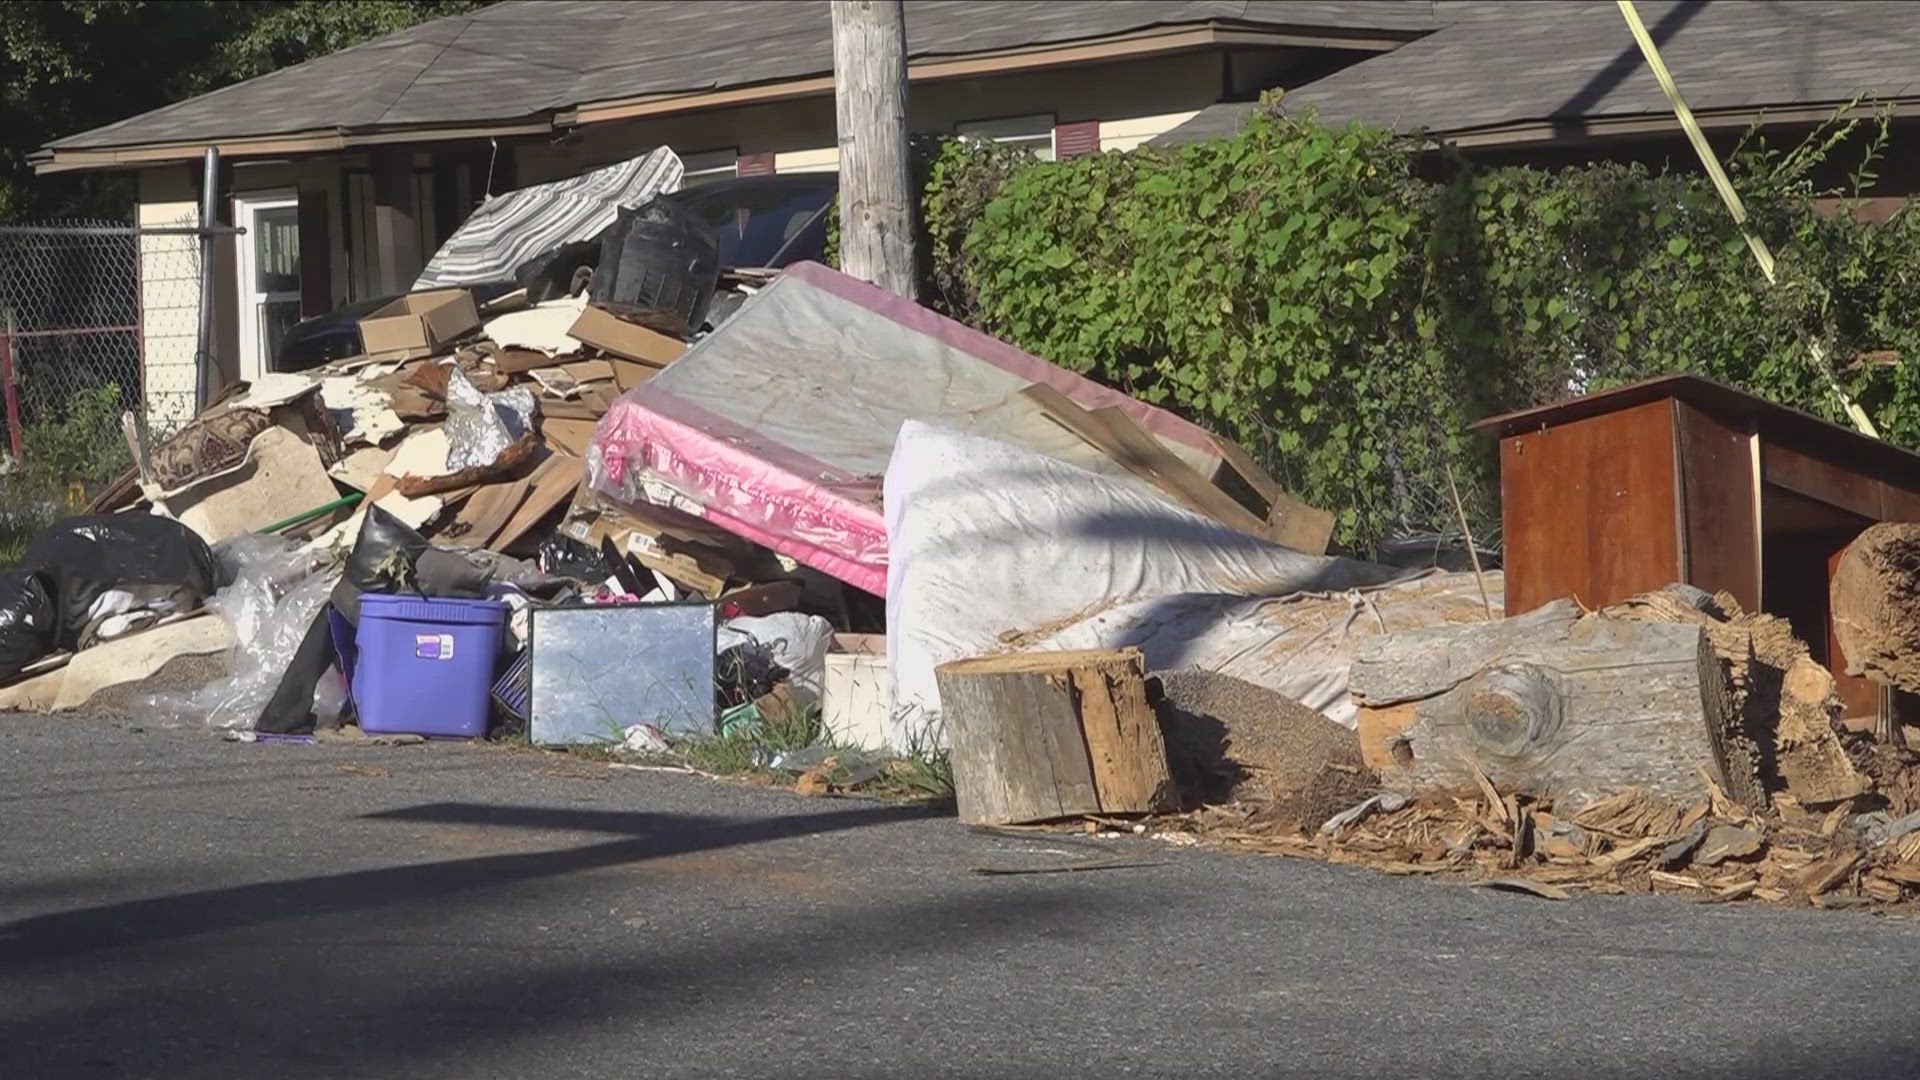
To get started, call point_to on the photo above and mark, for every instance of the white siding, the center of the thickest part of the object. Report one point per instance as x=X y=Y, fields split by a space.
x=169 y=297
x=1131 y=132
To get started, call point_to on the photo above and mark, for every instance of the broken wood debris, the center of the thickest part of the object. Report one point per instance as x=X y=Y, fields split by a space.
x=1630 y=842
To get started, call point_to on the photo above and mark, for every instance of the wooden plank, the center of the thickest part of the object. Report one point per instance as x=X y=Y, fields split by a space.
x=586 y=371
x=571 y=436
x=488 y=510
x=1141 y=454
x=628 y=374
x=1234 y=458
x=1591 y=509
x=1720 y=518
x=551 y=409
x=1294 y=524
x=554 y=481
x=1838 y=485
x=520 y=361
x=1144 y=454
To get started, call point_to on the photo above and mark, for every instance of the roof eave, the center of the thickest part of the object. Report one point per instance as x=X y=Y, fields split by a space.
x=1155 y=41
x=1581 y=130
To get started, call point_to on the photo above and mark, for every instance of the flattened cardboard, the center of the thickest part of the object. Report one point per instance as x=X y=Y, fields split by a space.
x=419 y=324
x=610 y=333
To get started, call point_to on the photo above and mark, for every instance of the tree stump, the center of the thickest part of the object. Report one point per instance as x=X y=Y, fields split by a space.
x=1038 y=736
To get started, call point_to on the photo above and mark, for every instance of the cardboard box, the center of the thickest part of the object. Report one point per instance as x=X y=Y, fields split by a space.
x=420 y=324
x=606 y=331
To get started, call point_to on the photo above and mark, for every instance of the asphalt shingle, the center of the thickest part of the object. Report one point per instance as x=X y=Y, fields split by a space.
x=524 y=59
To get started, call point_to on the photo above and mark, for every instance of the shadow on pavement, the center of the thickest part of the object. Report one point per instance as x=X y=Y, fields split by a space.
x=650 y=836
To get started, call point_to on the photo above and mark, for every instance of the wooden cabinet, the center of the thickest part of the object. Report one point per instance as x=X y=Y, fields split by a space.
x=1683 y=479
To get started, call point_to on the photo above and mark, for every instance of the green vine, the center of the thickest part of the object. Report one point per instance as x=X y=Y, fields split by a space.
x=1316 y=294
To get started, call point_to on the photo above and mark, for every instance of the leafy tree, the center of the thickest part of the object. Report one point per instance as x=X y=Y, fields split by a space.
x=70 y=65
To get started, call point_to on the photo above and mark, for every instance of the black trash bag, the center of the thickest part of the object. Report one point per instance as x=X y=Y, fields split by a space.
x=384 y=559
x=81 y=557
x=564 y=557
x=657 y=257
x=26 y=622
x=745 y=672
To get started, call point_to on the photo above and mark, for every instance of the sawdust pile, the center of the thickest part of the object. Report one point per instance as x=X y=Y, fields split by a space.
x=1229 y=739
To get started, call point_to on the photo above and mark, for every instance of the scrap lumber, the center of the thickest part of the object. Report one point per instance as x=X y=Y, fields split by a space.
x=517 y=361
x=1783 y=700
x=586 y=371
x=571 y=436
x=486 y=512
x=553 y=482
x=1115 y=434
x=628 y=374
x=1552 y=703
x=1038 y=736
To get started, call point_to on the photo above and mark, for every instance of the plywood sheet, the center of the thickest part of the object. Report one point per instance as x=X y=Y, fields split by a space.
x=1591 y=509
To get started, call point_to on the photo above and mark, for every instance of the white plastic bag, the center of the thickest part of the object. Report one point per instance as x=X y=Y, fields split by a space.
x=797 y=642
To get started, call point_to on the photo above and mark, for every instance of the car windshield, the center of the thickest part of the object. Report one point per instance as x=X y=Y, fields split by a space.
x=754 y=224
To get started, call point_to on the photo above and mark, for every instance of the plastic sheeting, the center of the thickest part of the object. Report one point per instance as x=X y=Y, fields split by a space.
x=511 y=228
x=778 y=426
x=995 y=547
x=274 y=597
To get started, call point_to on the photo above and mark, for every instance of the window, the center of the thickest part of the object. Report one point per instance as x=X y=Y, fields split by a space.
x=1031 y=133
x=707 y=166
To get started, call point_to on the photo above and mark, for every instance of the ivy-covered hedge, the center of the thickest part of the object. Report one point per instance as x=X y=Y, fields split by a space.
x=1313 y=293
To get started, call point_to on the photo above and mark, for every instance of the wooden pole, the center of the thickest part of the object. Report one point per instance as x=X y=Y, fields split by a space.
x=14 y=440
x=870 y=106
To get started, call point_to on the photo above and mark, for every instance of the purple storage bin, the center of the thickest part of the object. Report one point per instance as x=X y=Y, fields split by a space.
x=426 y=666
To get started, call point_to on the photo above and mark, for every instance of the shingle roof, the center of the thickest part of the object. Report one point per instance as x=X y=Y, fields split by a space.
x=1502 y=64
x=523 y=59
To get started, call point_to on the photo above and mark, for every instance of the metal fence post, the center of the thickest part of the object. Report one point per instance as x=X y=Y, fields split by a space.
x=12 y=392
x=209 y=220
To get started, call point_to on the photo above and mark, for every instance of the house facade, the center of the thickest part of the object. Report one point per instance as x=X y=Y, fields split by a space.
x=349 y=170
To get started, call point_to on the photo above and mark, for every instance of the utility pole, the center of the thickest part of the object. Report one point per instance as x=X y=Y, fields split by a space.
x=870 y=106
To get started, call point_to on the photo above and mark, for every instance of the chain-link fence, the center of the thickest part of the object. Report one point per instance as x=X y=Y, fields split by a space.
x=97 y=318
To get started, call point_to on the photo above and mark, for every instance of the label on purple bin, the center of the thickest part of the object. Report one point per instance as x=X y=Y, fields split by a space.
x=433 y=646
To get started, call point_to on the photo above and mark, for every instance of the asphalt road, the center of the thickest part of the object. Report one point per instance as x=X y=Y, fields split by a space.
x=174 y=906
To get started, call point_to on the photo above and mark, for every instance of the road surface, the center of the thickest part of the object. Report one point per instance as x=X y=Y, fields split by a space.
x=175 y=906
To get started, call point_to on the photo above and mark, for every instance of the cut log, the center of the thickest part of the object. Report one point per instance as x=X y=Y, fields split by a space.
x=1782 y=699
x=1554 y=703
x=1038 y=736
x=1876 y=610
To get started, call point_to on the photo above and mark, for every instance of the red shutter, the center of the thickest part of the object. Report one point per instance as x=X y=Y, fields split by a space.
x=1072 y=140
x=316 y=256
x=753 y=165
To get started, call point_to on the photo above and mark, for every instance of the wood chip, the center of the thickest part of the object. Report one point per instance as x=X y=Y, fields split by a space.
x=1827 y=873
x=1494 y=802
x=1523 y=885
x=1676 y=881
